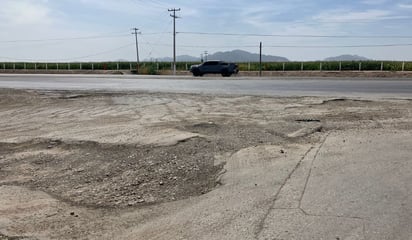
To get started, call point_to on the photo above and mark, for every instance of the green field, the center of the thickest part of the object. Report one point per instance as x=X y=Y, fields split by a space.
x=158 y=67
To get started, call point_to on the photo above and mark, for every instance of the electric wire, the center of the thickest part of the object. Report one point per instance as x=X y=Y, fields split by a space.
x=299 y=35
x=71 y=58
x=341 y=46
x=94 y=37
x=155 y=4
x=66 y=39
x=289 y=46
x=156 y=42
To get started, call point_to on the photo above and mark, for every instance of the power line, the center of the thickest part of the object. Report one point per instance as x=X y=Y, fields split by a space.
x=159 y=3
x=65 y=39
x=209 y=33
x=154 y=3
x=156 y=33
x=156 y=42
x=348 y=21
x=74 y=58
x=78 y=38
x=298 y=35
x=340 y=46
x=101 y=53
x=285 y=46
x=215 y=46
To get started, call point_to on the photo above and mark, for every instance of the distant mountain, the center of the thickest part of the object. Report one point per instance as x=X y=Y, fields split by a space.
x=243 y=56
x=347 y=58
x=182 y=58
x=231 y=56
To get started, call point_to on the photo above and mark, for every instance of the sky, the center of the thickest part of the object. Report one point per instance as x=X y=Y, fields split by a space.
x=300 y=30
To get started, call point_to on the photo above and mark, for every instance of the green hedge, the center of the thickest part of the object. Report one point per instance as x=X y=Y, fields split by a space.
x=408 y=66
x=330 y=66
x=155 y=67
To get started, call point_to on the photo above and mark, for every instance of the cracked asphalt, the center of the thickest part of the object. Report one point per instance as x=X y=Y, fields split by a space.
x=203 y=166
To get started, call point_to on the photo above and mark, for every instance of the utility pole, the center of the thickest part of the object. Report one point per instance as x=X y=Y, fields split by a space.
x=260 y=59
x=174 y=10
x=137 y=48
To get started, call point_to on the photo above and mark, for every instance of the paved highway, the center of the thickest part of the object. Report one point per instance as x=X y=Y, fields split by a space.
x=354 y=87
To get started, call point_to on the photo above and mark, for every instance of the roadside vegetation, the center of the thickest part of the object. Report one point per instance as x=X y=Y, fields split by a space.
x=154 y=68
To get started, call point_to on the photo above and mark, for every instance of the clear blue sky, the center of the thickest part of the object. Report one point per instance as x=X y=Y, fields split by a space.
x=94 y=30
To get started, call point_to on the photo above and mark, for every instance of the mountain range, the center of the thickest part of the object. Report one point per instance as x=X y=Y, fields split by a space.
x=346 y=58
x=244 y=56
x=230 y=56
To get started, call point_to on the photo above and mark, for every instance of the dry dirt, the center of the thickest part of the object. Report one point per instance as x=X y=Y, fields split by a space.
x=72 y=164
x=328 y=74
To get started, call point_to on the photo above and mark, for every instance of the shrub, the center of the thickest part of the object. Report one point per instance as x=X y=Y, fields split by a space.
x=392 y=66
x=311 y=66
x=293 y=66
x=408 y=66
x=330 y=66
x=370 y=66
x=350 y=66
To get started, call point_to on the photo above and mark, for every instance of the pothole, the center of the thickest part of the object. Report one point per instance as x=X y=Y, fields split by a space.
x=100 y=175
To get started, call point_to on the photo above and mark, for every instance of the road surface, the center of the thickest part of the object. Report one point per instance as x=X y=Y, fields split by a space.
x=215 y=85
x=165 y=166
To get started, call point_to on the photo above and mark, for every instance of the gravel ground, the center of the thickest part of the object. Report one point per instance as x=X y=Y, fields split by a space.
x=99 y=154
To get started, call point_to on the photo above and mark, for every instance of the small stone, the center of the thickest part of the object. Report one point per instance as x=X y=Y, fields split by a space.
x=72 y=213
x=282 y=151
x=161 y=183
x=141 y=201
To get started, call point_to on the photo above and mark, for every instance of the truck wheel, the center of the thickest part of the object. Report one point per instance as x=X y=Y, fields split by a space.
x=225 y=73
x=196 y=72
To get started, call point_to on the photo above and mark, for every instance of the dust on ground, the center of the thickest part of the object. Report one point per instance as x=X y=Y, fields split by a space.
x=98 y=155
x=328 y=74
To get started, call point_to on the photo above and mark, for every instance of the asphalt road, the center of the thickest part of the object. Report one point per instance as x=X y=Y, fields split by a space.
x=354 y=87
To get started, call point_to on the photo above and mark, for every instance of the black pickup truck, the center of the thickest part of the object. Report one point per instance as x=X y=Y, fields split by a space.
x=216 y=67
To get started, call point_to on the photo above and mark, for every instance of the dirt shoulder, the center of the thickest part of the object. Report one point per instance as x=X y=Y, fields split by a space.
x=326 y=74
x=88 y=165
